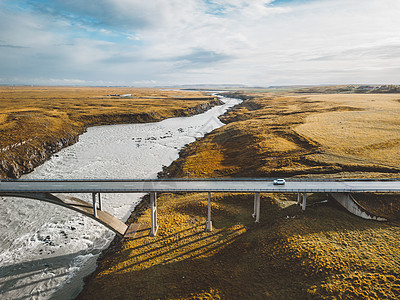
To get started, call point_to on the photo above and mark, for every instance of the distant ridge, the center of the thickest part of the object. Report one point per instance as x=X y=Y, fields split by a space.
x=291 y=86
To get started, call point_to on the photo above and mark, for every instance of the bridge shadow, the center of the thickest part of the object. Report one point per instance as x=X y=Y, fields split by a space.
x=144 y=233
x=12 y=277
x=238 y=261
x=190 y=243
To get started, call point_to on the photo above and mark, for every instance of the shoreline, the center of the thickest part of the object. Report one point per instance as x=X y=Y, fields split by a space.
x=198 y=109
x=15 y=168
x=139 y=210
x=305 y=254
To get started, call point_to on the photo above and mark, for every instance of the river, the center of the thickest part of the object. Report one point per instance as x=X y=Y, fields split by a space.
x=47 y=250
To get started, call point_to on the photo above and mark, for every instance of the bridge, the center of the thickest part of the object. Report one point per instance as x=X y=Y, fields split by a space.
x=52 y=191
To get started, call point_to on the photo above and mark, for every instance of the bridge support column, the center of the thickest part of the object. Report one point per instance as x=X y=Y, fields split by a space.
x=100 y=202
x=256 y=213
x=94 y=205
x=255 y=206
x=304 y=202
x=153 y=214
x=209 y=222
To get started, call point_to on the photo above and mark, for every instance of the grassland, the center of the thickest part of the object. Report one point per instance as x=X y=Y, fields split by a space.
x=326 y=135
x=38 y=121
x=322 y=253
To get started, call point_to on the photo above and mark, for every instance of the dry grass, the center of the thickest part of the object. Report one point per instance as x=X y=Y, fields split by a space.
x=368 y=131
x=31 y=117
x=25 y=109
x=323 y=253
x=326 y=135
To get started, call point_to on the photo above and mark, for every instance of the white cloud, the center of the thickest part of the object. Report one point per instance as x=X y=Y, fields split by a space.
x=252 y=42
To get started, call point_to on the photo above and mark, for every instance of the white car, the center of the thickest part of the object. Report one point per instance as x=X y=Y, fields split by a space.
x=279 y=181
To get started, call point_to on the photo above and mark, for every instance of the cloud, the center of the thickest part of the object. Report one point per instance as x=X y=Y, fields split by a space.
x=122 y=14
x=203 y=56
x=199 y=57
x=251 y=42
x=12 y=46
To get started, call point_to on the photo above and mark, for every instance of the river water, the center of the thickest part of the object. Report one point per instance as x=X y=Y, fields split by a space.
x=46 y=250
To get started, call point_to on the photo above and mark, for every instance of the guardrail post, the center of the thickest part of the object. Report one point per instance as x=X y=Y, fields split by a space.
x=153 y=214
x=94 y=205
x=209 y=222
x=298 y=199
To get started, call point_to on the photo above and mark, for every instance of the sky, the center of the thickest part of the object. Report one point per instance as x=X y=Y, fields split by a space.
x=178 y=42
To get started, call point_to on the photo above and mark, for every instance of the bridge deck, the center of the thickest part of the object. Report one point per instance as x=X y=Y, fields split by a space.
x=44 y=190
x=206 y=185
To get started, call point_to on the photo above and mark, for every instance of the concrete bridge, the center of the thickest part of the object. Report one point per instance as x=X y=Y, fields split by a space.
x=52 y=191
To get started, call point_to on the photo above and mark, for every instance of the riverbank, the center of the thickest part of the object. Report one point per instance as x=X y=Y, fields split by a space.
x=46 y=250
x=322 y=253
x=36 y=122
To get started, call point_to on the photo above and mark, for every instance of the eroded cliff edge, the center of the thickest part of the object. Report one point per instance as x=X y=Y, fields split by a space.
x=36 y=136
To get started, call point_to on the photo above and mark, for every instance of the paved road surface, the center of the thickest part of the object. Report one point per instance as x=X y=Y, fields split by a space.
x=218 y=185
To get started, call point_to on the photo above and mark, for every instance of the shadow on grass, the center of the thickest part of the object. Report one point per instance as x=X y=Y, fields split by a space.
x=168 y=249
x=144 y=235
x=234 y=262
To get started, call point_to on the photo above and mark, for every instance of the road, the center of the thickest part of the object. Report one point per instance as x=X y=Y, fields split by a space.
x=206 y=185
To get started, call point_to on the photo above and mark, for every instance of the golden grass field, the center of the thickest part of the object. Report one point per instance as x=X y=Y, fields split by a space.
x=26 y=110
x=368 y=131
x=34 y=119
x=322 y=253
x=301 y=135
